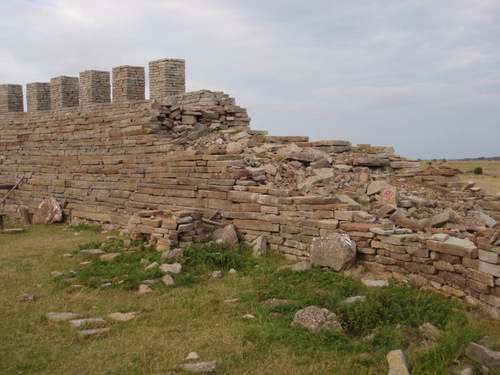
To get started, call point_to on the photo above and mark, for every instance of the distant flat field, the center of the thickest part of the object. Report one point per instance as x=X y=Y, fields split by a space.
x=489 y=180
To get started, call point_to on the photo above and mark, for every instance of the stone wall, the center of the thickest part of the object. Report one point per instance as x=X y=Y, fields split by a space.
x=174 y=168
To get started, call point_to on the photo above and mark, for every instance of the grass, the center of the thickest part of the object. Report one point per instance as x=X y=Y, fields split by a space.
x=489 y=180
x=192 y=315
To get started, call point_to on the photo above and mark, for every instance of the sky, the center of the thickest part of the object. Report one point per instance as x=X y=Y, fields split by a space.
x=422 y=76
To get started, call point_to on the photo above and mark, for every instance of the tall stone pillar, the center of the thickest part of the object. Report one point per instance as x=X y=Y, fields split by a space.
x=129 y=83
x=11 y=98
x=167 y=77
x=38 y=94
x=95 y=87
x=64 y=92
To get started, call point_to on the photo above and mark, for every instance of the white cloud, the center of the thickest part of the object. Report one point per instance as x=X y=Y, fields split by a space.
x=325 y=68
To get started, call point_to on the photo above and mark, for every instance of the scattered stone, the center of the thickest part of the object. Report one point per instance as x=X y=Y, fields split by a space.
x=200 y=366
x=232 y=301
x=26 y=297
x=336 y=251
x=226 y=236
x=375 y=283
x=494 y=313
x=430 y=331
x=91 y=253
x=353 y=299
x=465 y=369
x=259 y=246
x=316 y=319
x=172 y=254
x=151 y=266
x=13 y=230
x=67 y=255
x=143 y=289
x=232 y=271
x=484 y=356
x=193 y=356
x=248 y=316
x=217 y=274
x=302 y=266
x=60 y=316
x=172 y=268
x=95 y=322
x=48 y=212
x=57 y=273
x=92 y=332
x=109 y=257
x=168 y=280
x=397 y=363
x=122 y=317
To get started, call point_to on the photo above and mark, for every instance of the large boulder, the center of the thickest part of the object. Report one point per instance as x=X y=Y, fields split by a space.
x=317 y=319
x=336 y=251
x=48 y=212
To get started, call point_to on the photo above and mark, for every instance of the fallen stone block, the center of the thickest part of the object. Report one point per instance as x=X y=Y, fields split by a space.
x=200 y=367
x=336 y=251
x=484 y=356
x=397 y=363
x=92 y=332
x=48 y=212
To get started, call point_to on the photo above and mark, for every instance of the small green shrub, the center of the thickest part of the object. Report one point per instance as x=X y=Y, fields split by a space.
x=478 y=170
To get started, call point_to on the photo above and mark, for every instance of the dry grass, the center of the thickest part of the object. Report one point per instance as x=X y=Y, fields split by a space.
x=489 y=180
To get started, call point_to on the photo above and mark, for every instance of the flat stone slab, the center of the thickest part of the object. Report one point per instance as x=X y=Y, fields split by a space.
x=375 y=283
x=13 y=230
x=122 y=317
x=484 y=356
x=92 y=332
x=200 y=366
x=60 y=316
x=95 y=322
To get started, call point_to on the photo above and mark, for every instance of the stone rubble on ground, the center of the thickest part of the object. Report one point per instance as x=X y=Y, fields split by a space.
x=484 y=356
x=207 y=367
x=397 y=363
x=316 y=319
x=122 y=317
x=27 y=297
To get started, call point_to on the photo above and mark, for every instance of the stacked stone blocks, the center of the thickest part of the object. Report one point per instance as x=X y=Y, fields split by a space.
x=11 y=98
x=64 y=92
x=95 y=87
x=167 y=77
x=129 y=83
x=38 y=95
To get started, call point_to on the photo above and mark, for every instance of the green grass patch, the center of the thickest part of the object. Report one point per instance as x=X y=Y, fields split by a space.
x=192 y=315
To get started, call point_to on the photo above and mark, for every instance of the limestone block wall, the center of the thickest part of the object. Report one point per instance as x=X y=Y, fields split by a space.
x=119 y=162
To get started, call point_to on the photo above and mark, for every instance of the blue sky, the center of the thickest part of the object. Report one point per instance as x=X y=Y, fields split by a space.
x=420 y=75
